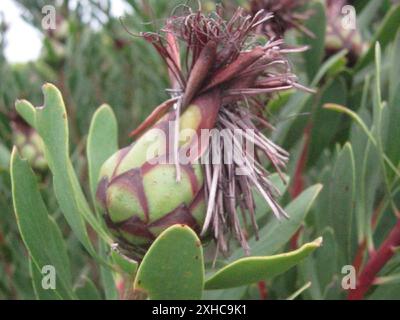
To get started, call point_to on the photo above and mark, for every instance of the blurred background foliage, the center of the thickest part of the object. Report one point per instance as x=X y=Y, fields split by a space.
x=94 y=58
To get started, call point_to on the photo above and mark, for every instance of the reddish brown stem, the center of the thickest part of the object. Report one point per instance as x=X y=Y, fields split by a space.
x=295 y=239
x=358 y=260
x=121 y=289
x=262 y=288
x=376 y=263
x=298 y=181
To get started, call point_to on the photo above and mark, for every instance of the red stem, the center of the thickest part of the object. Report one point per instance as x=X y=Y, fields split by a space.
x=295 y=239
x=120 y=285
x=262 y=288
x=376 y=263
x=358 y=260
x=298 y=181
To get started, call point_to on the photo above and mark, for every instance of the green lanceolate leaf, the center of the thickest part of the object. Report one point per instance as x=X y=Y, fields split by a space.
x=291 y=117
x=125 y=264
x=394 y=72
x=252 y=269
x=299 y=102
x=392 y=145
x=389 y=290
x=273 y=237
x=52 y=125
x=106 y=274
x=324 y=124
x=4 y=158
x=298 y=292
x=326 y=261
x=308 y=272
x=393 y=151
x=385 y=34
x=278 y=102
x=317 y=24
x=322 y=270
x=277 y=233
x=87 y=290
x=341 y=200
x=321 y=219
x=330 y=66
x=368 y=13
x=387 y=280
x=173 y=267
x=37 y=277
x=41 y=236
x=102 y=142
x=361 y=123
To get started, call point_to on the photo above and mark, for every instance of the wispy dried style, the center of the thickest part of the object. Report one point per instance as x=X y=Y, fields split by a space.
x=288 y=14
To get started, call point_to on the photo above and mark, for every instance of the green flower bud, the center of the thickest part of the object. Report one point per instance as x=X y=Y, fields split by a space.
x=340 y=35
x=29 y=143
x=55 y=49
x=141 y=198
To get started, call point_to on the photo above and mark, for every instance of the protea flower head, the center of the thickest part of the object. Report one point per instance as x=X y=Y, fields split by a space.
x=54 y=50
x=339 y=37
x=217 y=69
x=28 y=142
x=288 y=14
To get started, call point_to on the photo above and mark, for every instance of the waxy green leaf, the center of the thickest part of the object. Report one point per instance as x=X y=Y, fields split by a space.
x=27 y=111
x=341 y=201
x=277 y=233
x=173 y=267
x=316 y=24
x=37 y=277
x=101 y=144
x=87 y=290
x=385 y=34
x=272 y=237
x=125 y=264
x=325 y=124
x=52 y=125
x=4 y=158
x=252 y=269
x=41 y=236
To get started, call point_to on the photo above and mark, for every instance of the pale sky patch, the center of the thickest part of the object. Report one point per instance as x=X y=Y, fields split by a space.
x=24 y=42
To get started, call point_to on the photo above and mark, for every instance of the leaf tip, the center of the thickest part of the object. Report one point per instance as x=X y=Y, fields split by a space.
x=318 y=242
x=319 y=187
x=49 y=88
x=105 y=106
x=18 y=102
x=332 y=106
x=14 y=153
